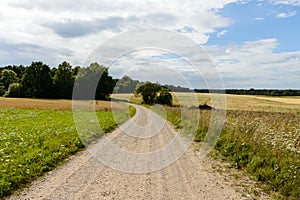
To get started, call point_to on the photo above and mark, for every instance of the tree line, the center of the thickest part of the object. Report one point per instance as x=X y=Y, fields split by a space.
x=38 y=80
x=252 y=91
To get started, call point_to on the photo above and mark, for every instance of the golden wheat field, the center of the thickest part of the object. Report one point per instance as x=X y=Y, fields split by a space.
x=233 y=102
x=50 y=104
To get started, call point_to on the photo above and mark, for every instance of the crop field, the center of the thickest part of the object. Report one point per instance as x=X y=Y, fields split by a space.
x=50 y=104
x=37 y=135
x=233 y=102
x=261 y=135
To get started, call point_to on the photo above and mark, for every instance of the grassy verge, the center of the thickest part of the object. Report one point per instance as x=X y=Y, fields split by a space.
x=132 y=111
x=34 y=141
x=263 y=143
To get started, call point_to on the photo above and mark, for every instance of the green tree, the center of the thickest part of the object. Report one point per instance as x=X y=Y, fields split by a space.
x=8 y=77
x=148 y=91
x=36 y=81
x=164 y=97
x=154 y=93
x=126 y=85
x=94 y=78
x=53 y=72
x=14 y=90
x=75 y=71
x=63 y=81
x=19 y=70
x=2 y=90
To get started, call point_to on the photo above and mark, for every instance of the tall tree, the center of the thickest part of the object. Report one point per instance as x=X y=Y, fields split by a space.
x=75 y=71
x=53 y=72
x=154 y=93
x=8 y=77
x=63 y=81
x=19 y=69
x=36 y=81
x=126 y=85
x=94 y=82
x=148 y=91
x=14 y=90
x=164 y=97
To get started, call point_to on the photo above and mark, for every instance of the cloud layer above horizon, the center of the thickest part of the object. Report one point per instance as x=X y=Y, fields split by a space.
x=54 y=31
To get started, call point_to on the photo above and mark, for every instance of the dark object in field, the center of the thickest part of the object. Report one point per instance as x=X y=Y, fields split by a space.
x=205 y=107
x=202 y=107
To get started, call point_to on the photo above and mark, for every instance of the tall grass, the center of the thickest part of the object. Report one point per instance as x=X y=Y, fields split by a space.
x=265 y=144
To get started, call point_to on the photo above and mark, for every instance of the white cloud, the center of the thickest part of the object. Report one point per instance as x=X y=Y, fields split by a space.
x=287 y=2
x=258 y=18
x=80 y=26
x=222 y=33
x=155 y=65
x=256 y=64
x=286 y=15
x=57 y=30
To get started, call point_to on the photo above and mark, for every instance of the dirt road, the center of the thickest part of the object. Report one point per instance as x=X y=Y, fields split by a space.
x=85 y=177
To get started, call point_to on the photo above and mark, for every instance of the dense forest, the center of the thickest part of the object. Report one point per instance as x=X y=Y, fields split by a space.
x=38 y=80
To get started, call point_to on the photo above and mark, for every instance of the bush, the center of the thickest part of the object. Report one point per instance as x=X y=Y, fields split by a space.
x=2 y=90
x=14 y=90
x=154 y=93
x=164 y=98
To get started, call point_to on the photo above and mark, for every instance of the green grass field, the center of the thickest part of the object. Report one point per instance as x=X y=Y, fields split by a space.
x=34 y=141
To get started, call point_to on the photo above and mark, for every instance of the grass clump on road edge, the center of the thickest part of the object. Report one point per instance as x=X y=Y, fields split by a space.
x=34 y=141
x=132 y=111
x=263 y=143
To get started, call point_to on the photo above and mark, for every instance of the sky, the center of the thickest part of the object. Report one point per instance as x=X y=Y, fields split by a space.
x=252 y=44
